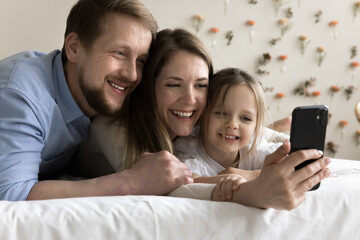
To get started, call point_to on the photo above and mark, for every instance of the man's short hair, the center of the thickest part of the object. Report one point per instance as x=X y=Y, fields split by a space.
x=86 y=18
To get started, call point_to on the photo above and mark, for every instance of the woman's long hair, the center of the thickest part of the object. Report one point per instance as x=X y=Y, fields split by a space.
x=145 y=131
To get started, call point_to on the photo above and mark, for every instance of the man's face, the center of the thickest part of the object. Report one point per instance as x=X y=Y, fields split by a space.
x=112 y=67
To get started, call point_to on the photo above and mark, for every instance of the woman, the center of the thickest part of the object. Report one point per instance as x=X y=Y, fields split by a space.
x=169 y=102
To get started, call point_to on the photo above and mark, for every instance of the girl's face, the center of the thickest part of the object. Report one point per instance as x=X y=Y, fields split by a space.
x=231 y=125
x=181 y=89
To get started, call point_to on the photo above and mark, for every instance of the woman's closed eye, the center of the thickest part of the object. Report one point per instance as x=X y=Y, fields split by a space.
x=172 y=85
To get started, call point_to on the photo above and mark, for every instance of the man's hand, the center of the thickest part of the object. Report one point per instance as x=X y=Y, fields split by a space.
x=157 y=174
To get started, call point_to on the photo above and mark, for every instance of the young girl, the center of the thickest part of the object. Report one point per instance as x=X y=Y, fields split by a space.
x=230 y=133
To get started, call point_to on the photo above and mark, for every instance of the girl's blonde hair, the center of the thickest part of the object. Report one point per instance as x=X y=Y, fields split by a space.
x=221 y=83
x=145 y=131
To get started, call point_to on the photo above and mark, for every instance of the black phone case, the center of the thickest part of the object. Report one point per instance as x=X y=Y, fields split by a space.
x=308 y=130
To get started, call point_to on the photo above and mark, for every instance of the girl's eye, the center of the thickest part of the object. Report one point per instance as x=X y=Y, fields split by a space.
x=246 y=119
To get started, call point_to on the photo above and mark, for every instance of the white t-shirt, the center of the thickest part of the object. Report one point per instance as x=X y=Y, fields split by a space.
x=189 y=150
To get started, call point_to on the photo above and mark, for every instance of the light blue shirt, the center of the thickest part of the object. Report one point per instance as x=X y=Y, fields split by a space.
x=40 y=122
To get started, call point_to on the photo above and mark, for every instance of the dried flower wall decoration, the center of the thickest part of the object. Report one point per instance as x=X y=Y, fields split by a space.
x=349 y=91
x=229 y=36
x=353 y=52
x=214 y=31
x=289 y=13
x=275 y=41
x=282 y=59
x=318 y=15
x=321 y=52
x=264 y=60
x=279 y=96
x=343 y=124
x=357 y=137
x=316 y=94
x=226 y=5
x=285 y=25
x=253 y=2
x=278 y=4
x=356 y=9
x=334 y=89
x=198 y=21
x=251 y=24
x=304 y=43
x=303 y=89
x=333 y=27
x=332 y=148
x=353 y=67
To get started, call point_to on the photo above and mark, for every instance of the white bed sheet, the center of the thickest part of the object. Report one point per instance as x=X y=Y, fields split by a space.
x=331 y=212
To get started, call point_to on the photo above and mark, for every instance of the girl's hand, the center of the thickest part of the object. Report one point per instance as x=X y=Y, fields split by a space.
x=226 y=185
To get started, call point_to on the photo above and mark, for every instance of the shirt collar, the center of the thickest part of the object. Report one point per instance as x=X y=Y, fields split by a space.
x=63 y=96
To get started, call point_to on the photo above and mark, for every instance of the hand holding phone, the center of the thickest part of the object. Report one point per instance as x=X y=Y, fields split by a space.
x=308 y=130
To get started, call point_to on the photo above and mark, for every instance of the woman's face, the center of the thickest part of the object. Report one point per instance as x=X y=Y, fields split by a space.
x=181 y=89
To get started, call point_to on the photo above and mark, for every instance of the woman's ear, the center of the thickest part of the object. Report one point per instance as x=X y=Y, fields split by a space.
x=72 y=46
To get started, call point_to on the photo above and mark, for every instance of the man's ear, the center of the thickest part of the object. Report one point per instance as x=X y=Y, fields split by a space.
x=72 y=46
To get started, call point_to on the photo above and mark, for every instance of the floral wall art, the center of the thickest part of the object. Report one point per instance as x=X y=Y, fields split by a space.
x=304 y=52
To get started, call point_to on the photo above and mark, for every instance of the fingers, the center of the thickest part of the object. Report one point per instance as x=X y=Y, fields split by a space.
x=300 y=156
x=310 y=182
x=311 y=169
x=228 y=185
x=280 y=154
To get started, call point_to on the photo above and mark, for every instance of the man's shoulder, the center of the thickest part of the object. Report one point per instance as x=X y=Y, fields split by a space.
x=23 y=67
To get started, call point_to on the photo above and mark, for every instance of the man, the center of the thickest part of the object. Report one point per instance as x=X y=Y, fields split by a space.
x=47 y=101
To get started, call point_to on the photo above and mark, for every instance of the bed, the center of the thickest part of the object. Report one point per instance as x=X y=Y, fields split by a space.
x=331 y=212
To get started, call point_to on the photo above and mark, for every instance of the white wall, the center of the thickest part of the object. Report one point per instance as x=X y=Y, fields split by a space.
x=40 y=24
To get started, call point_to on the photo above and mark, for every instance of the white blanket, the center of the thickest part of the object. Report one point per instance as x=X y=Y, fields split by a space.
x=331 y=212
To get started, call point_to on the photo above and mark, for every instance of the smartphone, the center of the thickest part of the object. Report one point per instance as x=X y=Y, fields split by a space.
x=308 y=130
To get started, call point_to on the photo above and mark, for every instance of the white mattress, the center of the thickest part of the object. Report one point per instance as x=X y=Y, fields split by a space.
x=331 y=212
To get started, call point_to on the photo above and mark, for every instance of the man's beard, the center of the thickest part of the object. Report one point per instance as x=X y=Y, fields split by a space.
x=96 y=98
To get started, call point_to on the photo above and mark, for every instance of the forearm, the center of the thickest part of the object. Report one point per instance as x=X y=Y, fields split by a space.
x=110 y=185
x=247 y=174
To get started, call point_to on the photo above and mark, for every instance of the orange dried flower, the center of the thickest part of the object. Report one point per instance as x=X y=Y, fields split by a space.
x=282 y=57
x=333 y=23
x=316 y=93
x=334 y=88
x=283 y=21
x=343 y=123
x=250 y=22
x=303 y=37
x=199 y=17
x=214 y=30
x=358 y=131
x=355 y=64
x=321 y=49
x=280 y=95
